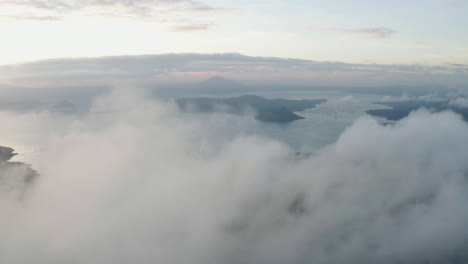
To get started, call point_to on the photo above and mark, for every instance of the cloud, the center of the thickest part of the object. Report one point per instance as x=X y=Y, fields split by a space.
x=139 y=183
x=172 y=68
x=193 y=27
x=346 y=99
x=428 y=97
x=32 y=17
x=459 y=102
x=179 y=12
x=126 y=6
x=375 y=32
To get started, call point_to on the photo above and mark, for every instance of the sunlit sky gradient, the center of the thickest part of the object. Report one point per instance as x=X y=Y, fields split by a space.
x=426 y=32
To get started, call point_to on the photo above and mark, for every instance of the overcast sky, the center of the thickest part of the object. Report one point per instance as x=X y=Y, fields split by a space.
x=424 y=32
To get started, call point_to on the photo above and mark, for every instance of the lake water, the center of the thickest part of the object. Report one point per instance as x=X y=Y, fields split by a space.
x=322 y=125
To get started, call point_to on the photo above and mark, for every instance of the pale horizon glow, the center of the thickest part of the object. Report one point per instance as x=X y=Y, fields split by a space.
x=362 y=32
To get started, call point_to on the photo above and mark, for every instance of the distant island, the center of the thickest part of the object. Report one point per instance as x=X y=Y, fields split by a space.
x=62 y=106
x=268 y=110
x=401 y=109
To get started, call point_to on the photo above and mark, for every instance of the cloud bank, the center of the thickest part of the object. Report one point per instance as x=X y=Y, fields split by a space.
x=132 y=183
x=180 y=68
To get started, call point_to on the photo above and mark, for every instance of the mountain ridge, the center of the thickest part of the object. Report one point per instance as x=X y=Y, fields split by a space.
x=268 y=110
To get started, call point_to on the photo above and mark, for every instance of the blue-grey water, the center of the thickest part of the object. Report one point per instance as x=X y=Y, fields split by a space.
x=322 y=125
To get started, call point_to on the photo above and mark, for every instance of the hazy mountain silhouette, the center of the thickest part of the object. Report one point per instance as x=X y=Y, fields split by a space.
x=219 y=84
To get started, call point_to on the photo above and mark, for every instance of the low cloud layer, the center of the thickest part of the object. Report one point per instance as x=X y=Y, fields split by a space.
x=179 y=68
x=132 y=183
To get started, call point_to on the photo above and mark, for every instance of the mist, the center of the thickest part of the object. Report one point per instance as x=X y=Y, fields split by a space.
x=132 y=181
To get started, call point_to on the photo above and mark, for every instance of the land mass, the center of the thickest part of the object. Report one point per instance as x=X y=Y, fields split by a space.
x=401 y=109
x=268 y=110
x=15 y=176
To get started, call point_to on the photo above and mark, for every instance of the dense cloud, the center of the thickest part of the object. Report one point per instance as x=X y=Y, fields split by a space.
x=136 y=182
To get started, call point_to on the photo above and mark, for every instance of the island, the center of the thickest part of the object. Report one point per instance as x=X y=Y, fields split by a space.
x=401 y=109
x=6 y=153
x=267 y=110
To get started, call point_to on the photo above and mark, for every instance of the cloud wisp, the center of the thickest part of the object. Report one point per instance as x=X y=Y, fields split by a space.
x=179 y=13
x=134 y=184
x=373 y=32
x=191 y=27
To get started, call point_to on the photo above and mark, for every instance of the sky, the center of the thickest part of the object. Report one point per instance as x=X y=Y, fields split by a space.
x=422 y=32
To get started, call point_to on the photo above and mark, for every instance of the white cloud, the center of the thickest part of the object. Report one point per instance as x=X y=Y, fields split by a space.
x=130 y=184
